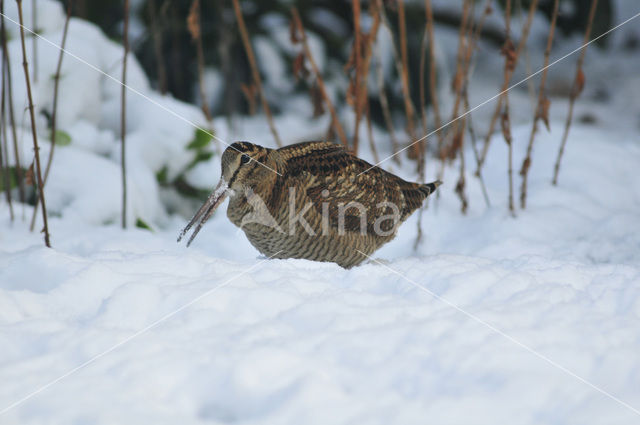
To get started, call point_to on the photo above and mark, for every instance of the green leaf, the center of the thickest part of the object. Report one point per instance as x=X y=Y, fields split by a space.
x=13 y=179
x=200 y=157
x=161 y=176
x=142 y=225
x=62 y=138
x=200 y=140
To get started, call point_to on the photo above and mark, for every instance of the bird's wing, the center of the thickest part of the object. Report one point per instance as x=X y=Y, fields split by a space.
x=349 y=186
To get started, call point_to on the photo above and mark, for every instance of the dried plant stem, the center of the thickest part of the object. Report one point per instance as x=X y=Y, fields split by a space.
x=433 y=93
x=6 y=59
x=358 y=71
x=419 y=234
x=362 y=94
x=396 y=57
x=461 y=68
x=464 y=52
x=36 y=149
x=254 y=70
x=542 y=108
x=414 y=151
x=422 y=165
x=506 y=131
x=505 y=121
x=4 y=168
x=56 y=84
x=194 y=28
x=459 y=85
x=450 y=151
x=422 y=160
x=461 y=184
x=305 y=45
x=384 y=104
x=156 y=33
x=470 y=59
x=372 y=144
x=4 y=151
x=474 y=146
x=507 y=78
x=34 y=39
x=421 y=85
x=578 y=84
x=123 y=114
x=54 y=110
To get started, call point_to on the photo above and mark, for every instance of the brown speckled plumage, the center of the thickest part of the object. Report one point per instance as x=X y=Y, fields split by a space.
x=319 y=180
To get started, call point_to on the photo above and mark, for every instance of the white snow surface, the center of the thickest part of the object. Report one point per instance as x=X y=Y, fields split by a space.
x=491 y=320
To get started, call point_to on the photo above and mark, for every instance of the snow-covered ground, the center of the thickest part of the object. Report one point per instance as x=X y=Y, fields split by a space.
x=492 y=320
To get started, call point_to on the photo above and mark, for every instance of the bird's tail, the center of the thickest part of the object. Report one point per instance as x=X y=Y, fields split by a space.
x=429 y=188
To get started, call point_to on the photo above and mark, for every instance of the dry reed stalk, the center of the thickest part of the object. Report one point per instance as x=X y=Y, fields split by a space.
x=422 y=165
x=358 y=71
x=470 y=59
x=34 y=39
x=157 y=47
x=474 y=146
x=193 y=25
x=414 y=151
x=542 y=108
x=56 y=83
x=394 y=51
x=249 y=92
x=5 y=172
x=432 y=75
x=362 y=68
x=421 y=86
x=123 y=113
x=368 y=54
x=459 y=84
x=335 y=122
x=455 y=147
x=36 y=149
x=4 y=150
x=578 y=85
x=505 y=121
x=372 y=144
x=511 y=56
x=54 y=110
x=6 y=59
x=419 y=234
x=384 y=104
x=506 y=132
x=461 y=184
x=254 y=70
x=14 y=136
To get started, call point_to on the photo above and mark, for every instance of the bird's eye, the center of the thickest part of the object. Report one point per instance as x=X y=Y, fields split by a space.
x=244 y=158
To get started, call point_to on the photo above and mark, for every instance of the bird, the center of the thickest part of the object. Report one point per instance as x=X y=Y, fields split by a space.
x=310 y=200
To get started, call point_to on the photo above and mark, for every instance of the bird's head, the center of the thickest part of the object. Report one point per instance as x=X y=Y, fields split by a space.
x=244 y=166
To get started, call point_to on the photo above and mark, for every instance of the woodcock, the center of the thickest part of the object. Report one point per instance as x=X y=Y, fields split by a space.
x=311 y=200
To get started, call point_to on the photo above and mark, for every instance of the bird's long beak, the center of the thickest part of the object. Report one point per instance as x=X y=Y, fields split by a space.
x=206 y=210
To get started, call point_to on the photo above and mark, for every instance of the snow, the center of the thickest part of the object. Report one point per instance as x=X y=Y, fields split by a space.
x=493 y=319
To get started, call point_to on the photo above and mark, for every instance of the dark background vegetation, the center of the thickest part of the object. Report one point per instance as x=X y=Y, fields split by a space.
x=223 y=48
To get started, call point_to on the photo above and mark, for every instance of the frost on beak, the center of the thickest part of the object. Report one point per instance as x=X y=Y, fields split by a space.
x=206 y=210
